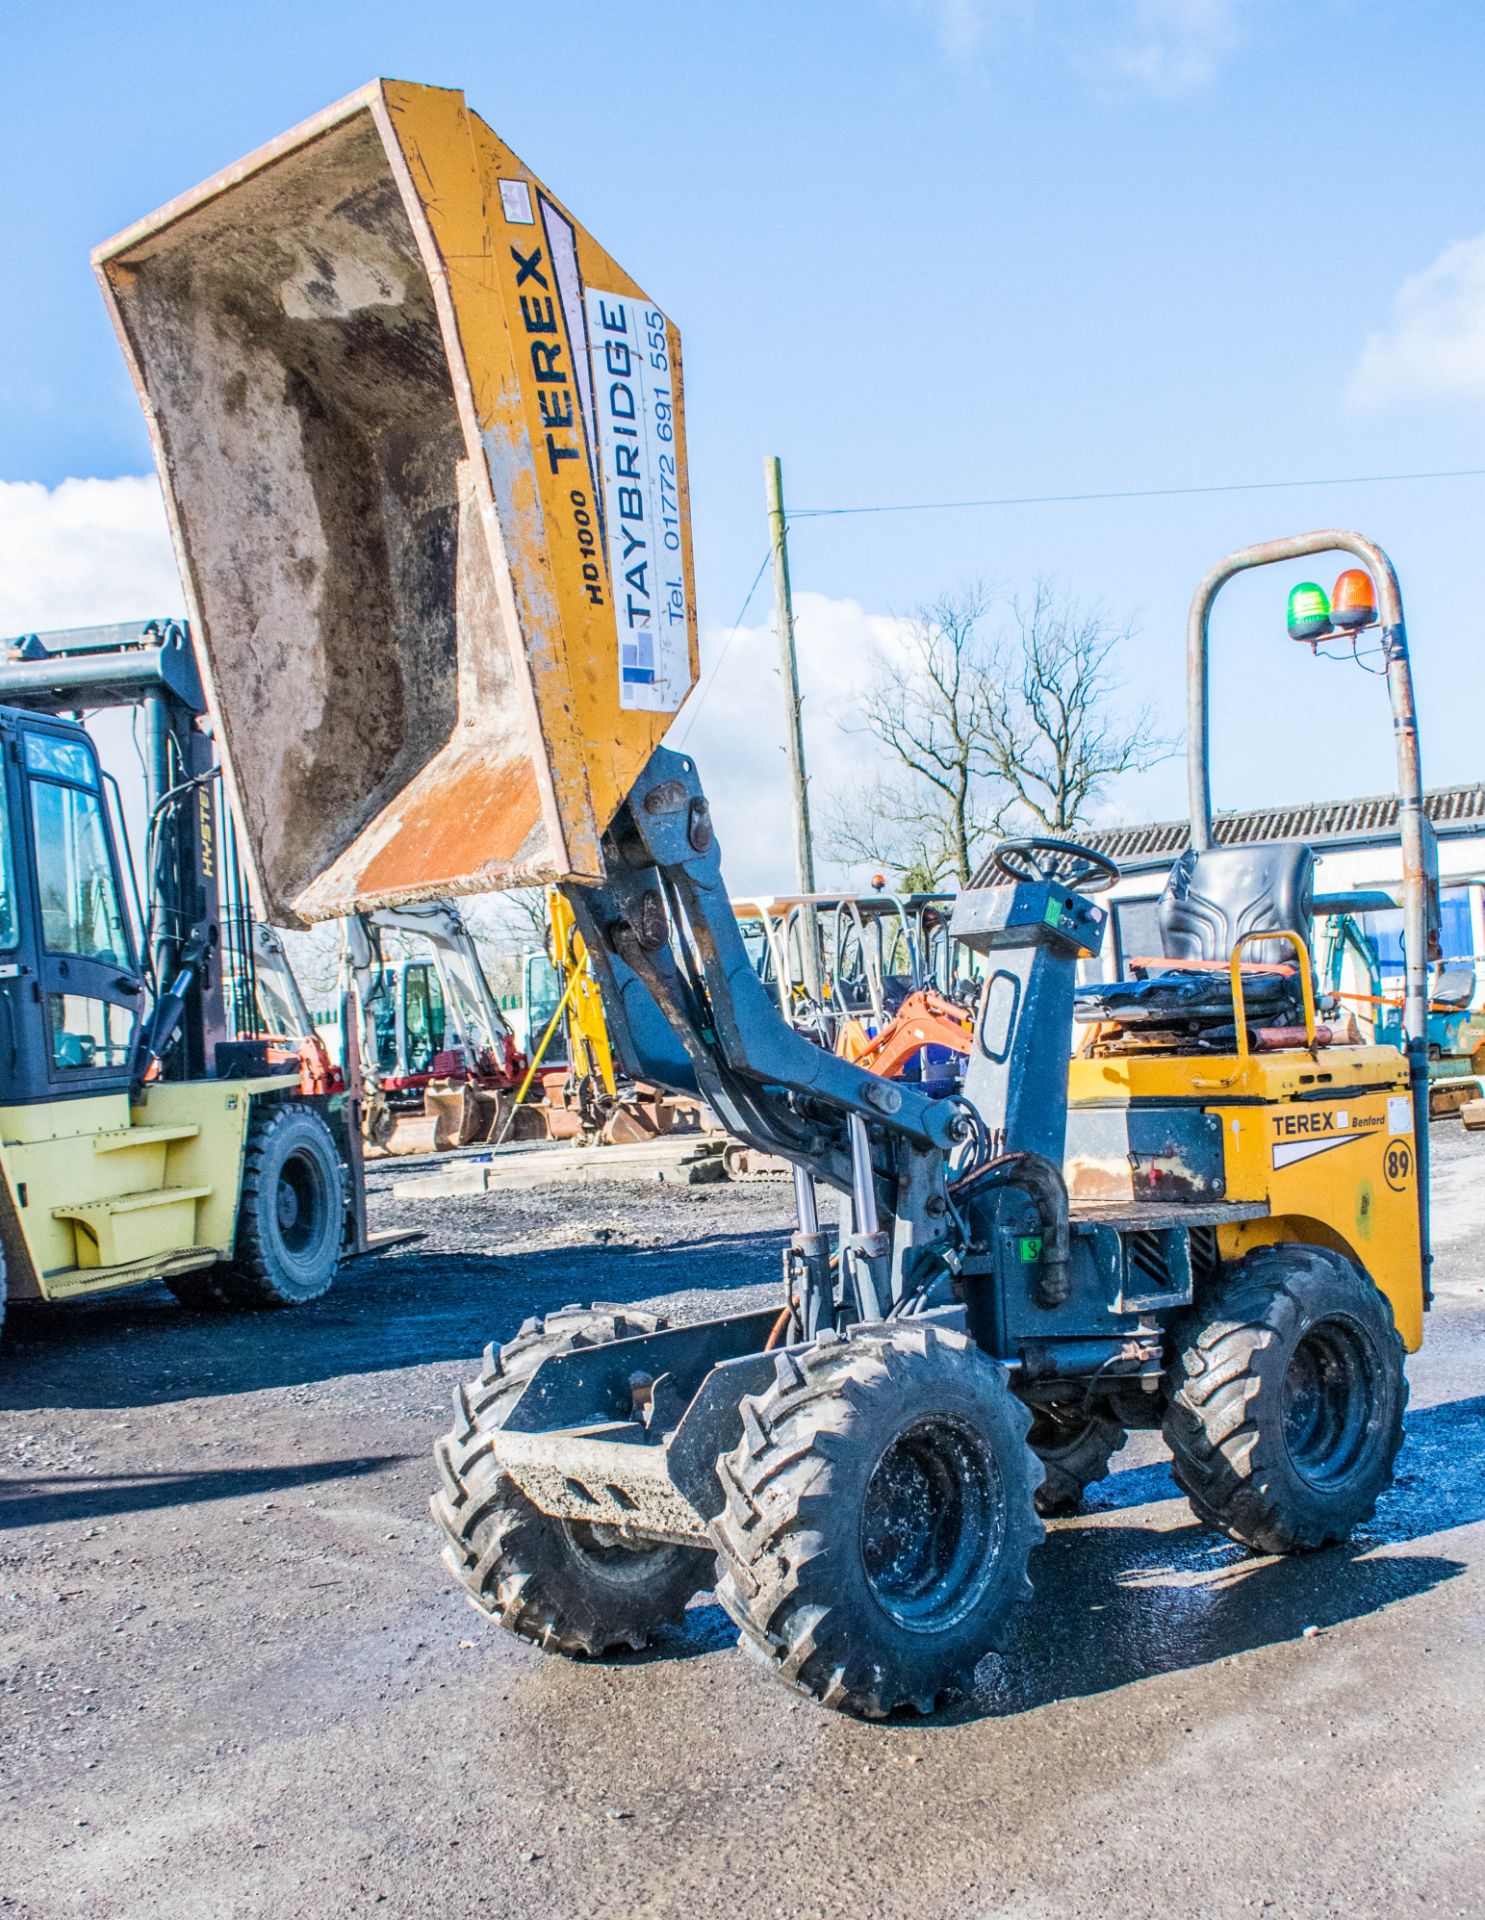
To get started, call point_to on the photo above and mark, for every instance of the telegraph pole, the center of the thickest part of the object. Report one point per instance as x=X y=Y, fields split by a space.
x=804 y=858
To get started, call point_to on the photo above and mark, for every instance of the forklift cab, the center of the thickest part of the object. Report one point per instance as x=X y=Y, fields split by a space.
x=71 y=989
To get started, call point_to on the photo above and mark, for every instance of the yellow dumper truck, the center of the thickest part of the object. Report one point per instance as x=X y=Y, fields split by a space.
x=422 y=441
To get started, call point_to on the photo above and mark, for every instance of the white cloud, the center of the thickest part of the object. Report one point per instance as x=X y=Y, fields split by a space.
x=1433 y=346
x=1171 y=47
x=1162 y=47
x=84 y=553
x=87 y=553
x=737 y=733
x=959 y=24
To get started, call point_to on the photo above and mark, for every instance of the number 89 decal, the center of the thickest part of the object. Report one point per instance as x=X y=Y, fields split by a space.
x=1397 y=1164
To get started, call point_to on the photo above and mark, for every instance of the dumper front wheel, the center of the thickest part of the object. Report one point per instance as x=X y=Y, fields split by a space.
x=1287 y=1394
x=570 y=1586
x=879 y=1514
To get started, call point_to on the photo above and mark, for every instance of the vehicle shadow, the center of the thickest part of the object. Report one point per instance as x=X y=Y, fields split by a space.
x=1116 y=1603
x=411 y=1307
x=49 y=1499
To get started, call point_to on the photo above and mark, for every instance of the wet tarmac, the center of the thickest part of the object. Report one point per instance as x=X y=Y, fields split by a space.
x=235 y=1681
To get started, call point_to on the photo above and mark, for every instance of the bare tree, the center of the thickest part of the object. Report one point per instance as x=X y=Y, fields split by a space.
x=1057 y=734
x=929 y=706
x=517 y=919
x=506 y=927
x=988 y=731
x=314 y=957
x=888 y=823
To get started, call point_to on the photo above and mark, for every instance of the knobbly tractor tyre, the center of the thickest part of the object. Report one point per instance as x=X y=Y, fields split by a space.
x=879 y=1515
x=291 y=1213
x=570 y=1586
x=1075 y=1450
x=1287 y=1394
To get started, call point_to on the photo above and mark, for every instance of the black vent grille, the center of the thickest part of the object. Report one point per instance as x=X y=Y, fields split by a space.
x=1204 y=1260
x=1147 y=1260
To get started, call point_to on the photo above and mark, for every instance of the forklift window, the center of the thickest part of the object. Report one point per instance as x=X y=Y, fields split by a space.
x=384 y=1024
x=80 y=910
x=67 y=759
x=543 y=994
x=10 y=930
x=88 y=1035
x=1455 y=932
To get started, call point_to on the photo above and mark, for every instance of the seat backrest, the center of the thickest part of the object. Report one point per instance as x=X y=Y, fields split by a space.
x=1212 y=898
x=1453 y=988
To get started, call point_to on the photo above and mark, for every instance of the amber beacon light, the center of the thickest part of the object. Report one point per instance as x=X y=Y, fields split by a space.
x=1353 y=604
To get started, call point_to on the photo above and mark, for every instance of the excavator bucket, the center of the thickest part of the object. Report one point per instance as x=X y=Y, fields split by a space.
x=421 y=442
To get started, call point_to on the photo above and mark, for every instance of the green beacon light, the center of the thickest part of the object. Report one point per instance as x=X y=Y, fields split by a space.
x=1309 y=612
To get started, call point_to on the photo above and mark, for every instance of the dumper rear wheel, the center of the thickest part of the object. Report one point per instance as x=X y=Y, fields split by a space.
x=1075 y=1450
x=570 y=1586
x=879 y=1514
x=1287 y=1394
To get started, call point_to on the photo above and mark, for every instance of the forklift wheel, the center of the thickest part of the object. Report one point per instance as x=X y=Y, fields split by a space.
x=879 y=1514
x=291 y=1216
x=571 y=1587
x=1075 y=1450
x=1287 y=1394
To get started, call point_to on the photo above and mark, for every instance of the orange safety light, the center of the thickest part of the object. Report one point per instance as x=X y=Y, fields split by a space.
x=1354 y=603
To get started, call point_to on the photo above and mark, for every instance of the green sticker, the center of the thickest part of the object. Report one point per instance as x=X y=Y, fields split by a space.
x=1053 y=915
x=1030 y=1248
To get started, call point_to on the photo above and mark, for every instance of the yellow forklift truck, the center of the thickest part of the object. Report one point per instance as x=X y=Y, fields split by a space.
x=380 y=355
x=139 y=1139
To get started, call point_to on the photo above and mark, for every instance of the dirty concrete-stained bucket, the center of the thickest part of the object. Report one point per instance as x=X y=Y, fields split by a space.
x=421 y=442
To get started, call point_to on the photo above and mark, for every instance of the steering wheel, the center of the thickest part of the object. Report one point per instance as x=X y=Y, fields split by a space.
x=1063 y=861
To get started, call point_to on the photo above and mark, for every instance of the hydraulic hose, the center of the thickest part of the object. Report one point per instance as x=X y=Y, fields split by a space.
x=1044 y=1185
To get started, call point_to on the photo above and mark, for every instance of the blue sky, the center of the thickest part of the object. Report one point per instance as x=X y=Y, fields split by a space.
x=922 y=249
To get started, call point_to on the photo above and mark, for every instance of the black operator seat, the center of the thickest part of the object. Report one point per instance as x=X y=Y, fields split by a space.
x=1210 y=901
x=1213 y=898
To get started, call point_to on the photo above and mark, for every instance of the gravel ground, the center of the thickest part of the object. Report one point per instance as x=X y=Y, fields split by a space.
x=234 y=1679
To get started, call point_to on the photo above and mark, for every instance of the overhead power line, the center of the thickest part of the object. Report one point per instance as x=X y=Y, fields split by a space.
x=1135 y=493
x=703 y=688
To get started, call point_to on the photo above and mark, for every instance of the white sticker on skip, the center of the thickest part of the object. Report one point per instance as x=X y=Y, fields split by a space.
x=1399 y=1113
x=630 y=351
x=515 y=203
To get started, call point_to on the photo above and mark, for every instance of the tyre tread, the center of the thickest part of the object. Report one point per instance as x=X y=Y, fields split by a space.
x=776 y=1584
x=1212 y=1426
x=250 y=1277
x=497 y=1545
